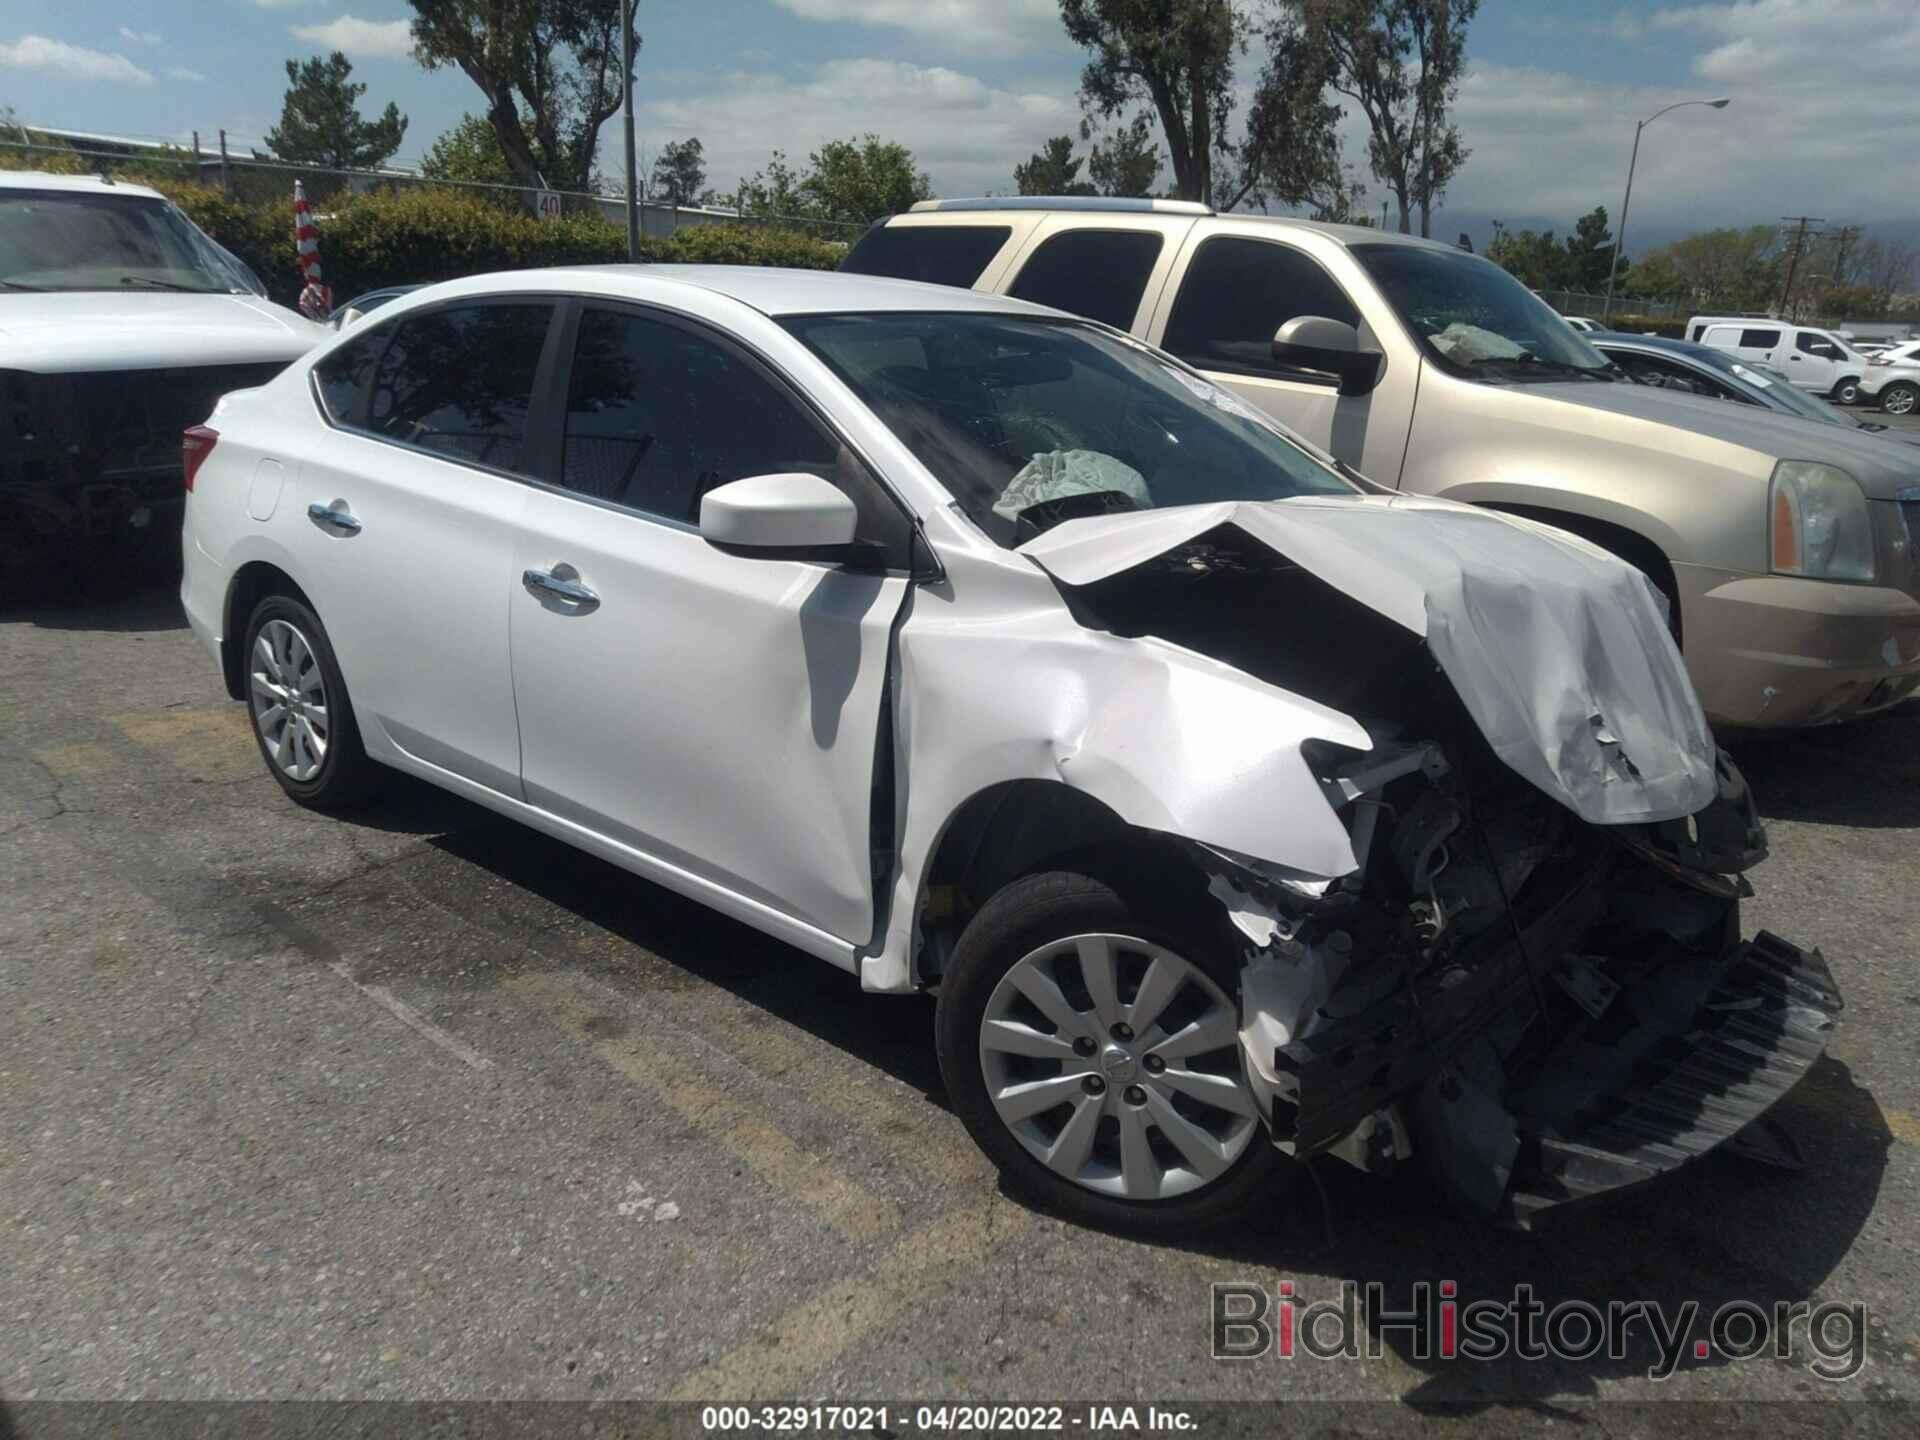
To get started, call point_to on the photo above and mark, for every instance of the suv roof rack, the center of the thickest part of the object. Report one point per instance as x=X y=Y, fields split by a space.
x=1067 y=202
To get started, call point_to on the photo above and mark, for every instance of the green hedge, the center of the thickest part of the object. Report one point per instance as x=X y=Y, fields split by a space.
x=1655 y=324
x=422 y=234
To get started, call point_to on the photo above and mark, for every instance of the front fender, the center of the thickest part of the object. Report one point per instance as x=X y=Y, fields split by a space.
x=1167 y=739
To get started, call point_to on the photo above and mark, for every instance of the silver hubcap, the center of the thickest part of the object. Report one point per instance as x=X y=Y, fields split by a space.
x=1117 y=1064
x=1899 y=402
x=289 y=700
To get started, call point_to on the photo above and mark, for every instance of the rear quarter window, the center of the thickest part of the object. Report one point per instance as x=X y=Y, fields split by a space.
x=937 y=254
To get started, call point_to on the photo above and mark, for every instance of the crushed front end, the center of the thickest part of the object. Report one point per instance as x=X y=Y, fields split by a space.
x=1536 y=1008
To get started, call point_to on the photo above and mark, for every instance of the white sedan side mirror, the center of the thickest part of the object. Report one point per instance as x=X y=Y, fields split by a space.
x=788 y=516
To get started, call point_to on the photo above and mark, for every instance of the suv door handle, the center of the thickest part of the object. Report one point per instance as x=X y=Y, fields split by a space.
x=342 y=519
x=545 y=582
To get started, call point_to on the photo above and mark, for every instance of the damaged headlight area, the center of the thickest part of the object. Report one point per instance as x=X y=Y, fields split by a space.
x=1536 y=1008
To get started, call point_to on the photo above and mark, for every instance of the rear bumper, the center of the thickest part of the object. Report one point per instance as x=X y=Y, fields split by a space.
x=1779 y=652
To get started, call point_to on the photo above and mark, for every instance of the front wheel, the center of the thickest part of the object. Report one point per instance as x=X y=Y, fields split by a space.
x=1847 y=392
x=1092 y=1049
x=1900 y=398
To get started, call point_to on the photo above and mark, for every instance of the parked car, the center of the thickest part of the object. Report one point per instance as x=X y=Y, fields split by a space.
x=1814 y=359
x=1236 y=811
x=1702 y=370
x=121 y=323
x=365 y=304
x=1581 y=322
x=1892 y=380
x=1434 y=372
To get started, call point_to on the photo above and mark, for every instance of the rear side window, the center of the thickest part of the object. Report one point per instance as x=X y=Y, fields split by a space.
x=937 y=254
x=1100 y=274
x=1237 y=293
x=341 y=378
x=459 y=382
x=1759 y=339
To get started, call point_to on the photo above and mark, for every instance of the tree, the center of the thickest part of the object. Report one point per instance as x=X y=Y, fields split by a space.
x=679 y=172
x=771 y=193
x=469 y=151
x=862 y=180
x=1291 y=150
x=1730 y=269
x=1399 y=61
x=1533 y=257
x=1590 y=253
x=1177 y=56
x=549 y=69
x=1052 y=170
x=1126 y=161
x=320 y=120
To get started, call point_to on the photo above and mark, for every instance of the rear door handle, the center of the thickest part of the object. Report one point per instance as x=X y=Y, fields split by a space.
x=332 y=518
x=545 y=582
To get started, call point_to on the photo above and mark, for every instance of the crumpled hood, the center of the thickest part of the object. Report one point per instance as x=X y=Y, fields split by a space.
x=1558 y=650
x=70 y=332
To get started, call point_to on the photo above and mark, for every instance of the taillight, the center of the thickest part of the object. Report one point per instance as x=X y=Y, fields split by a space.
x=196 y=443
x=1878 y=360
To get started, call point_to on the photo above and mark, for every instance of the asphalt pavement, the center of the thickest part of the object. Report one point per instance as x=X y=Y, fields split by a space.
x=418 y=1104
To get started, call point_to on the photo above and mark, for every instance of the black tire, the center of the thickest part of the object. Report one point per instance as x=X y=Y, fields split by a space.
x=1847 y=392
x=345 y=777
x=1025 y=916
x=1900 y=398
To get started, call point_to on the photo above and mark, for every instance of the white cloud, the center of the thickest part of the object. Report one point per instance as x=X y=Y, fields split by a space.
x=181 y=72
x=968 y=135
x=361 y=39
x=968 y=27
x=141 y=37
x=56 y=57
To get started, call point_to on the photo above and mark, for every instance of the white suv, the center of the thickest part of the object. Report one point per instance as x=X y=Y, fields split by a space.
x=1235 y=813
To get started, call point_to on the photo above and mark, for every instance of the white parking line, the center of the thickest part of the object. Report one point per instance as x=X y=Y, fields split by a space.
x=411 y=1017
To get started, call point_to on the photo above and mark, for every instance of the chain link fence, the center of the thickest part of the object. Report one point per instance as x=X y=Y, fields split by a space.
x=253 y=178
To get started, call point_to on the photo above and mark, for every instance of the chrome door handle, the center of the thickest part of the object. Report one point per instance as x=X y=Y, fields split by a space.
x=545 y=582
x=345 y=521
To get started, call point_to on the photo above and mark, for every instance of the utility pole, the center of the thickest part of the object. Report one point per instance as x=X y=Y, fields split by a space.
x=1800 y=222
x=633 y=199
x=196 y=157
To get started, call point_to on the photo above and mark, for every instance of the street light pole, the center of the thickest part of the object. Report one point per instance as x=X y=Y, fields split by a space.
x=626 y=69
x=1620 y=235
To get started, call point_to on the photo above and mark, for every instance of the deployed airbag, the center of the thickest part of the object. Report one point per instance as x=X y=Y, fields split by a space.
x=1558 y=650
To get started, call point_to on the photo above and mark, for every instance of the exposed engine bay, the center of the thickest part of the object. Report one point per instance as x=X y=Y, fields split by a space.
x=1536 y=1006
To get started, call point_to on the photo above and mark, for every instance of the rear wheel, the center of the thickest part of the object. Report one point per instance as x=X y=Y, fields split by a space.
x=297 y=701
x=1091 y=1046
x=1900 y=398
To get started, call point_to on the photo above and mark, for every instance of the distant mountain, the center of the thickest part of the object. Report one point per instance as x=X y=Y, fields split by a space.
x=1478 y=226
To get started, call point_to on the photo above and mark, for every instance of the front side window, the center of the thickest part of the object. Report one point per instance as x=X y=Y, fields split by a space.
x=658 y=415
x=1237 y=293
x=459 y=382
x=1032 y=422
x=75 y=240
x=1101 y=274
x=938 y=254
x=1808 y=343
x=1476 y=319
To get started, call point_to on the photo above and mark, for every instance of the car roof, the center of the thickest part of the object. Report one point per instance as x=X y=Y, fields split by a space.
x=1686 y=349
x=1089 y=207
x=770 y=290
x=84 y=184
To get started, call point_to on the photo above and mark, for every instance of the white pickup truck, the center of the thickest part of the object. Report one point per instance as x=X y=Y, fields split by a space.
x=121 y=323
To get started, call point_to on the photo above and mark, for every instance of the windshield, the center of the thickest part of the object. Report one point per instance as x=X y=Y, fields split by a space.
x=1476 y=319
x=57 y=240
x=1032 y=422
x=1785 y=395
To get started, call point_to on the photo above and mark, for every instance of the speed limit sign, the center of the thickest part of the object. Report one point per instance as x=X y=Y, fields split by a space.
x=547 y=204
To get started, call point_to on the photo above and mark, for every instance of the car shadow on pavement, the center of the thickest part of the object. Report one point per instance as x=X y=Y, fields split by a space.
x=1720 y=1231
x=1864 y=774
x=146 y=609
x=892 y=1034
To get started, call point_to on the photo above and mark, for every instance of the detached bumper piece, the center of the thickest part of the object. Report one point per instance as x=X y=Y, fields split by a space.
x=1758 y=1031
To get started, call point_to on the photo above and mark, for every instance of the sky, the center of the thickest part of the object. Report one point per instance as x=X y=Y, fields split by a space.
x=1825 y=118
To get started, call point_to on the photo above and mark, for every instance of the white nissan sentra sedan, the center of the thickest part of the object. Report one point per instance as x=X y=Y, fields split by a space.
x=1235 y=812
